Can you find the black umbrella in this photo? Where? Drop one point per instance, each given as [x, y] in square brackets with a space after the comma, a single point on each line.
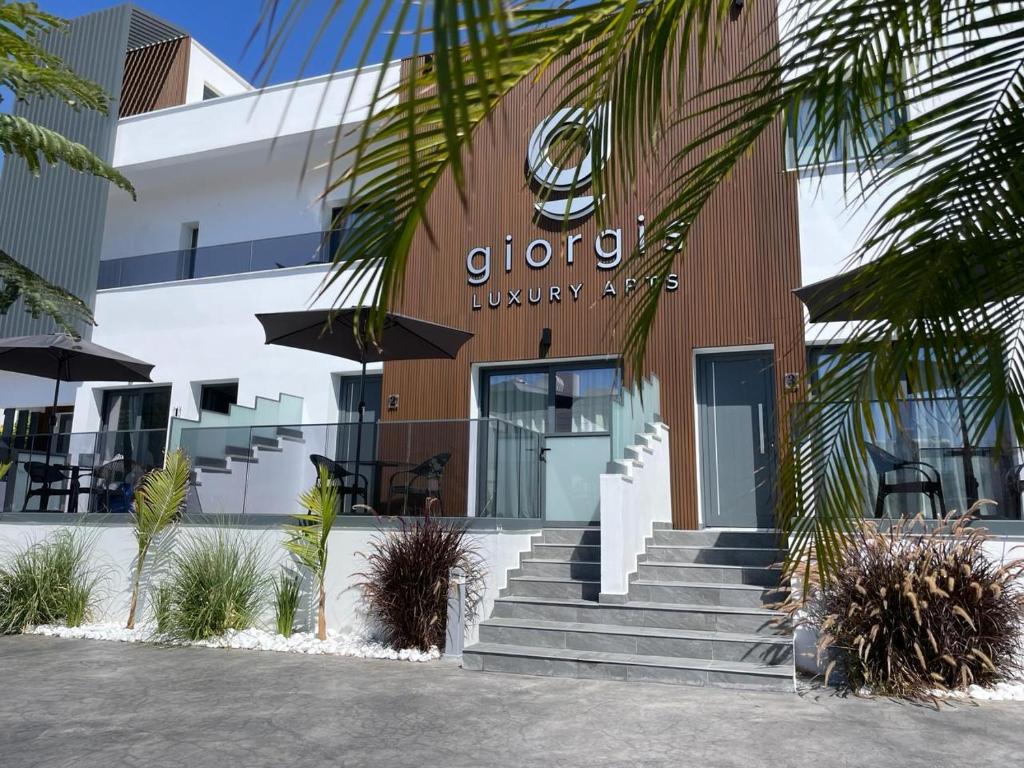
[341, 333]
[62, 357]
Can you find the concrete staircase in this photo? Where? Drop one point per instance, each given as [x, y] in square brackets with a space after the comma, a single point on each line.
[695, 613]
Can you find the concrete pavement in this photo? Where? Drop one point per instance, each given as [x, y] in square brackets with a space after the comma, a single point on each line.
[89, 703]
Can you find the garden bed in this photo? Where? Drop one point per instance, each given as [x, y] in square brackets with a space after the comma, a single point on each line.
[352, 645]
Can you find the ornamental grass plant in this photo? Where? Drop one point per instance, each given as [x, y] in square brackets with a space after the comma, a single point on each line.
[48, 582]
[914, 610]
[287, 593]
[406, 580]
[216, 581]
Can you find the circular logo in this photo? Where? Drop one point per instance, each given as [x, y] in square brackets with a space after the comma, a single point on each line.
[563, 152]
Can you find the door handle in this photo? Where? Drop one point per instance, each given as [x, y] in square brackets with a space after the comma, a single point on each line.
[544, 454]
[760, 424]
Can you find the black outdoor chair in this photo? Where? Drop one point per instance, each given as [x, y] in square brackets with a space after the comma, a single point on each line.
[351, 484]
[110, 491]
[48, 478]
[427, 473]
[928, 481]
[1015, 486]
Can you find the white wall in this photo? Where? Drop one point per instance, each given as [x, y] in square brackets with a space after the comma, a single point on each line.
[632, 500]
[206, 330]
[114, 550]
[234, 197]
[206, 69]
[278, 111]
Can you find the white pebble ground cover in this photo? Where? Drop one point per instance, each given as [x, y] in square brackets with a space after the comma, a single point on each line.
[336, 644]
[1008, 691]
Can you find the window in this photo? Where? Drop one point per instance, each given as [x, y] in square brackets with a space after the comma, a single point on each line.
[844, 146]
[136, 408]
[209, 93]
[218, 397]
[559, 398]
[341, 222]
[189, 246]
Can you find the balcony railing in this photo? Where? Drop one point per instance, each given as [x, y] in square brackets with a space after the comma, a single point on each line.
[484, 468]
[215, 260]
[98, 470]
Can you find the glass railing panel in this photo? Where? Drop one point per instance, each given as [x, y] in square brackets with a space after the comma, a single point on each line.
[96, 471]
[305, 249]
[292, 251]
[574, 463]
[510, 470]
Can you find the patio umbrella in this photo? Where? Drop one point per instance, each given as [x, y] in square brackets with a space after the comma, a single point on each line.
[340, 333]
[62, 357]
[845, 298]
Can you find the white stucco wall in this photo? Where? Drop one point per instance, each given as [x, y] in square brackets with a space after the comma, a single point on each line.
[632, 500]
[206, 69]
[114, 548]
[223, 124]
[206, 330]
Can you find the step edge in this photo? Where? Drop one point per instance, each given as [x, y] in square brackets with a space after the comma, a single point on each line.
[625, 629]
[603, 657]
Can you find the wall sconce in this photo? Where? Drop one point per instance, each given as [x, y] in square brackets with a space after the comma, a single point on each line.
[545, 342]
[735, 9]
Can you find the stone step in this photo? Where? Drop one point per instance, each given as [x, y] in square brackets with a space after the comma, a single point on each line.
[621, 666]
[209, 464]
[589, 552]
[560, 569]
[684, 553]
[639, 641]
[712, 574]
[589, 535]
[698, 593]
[711, 618]
[533, 586]
[715, 537]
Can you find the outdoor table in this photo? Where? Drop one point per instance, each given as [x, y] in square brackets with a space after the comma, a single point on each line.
[377, 465]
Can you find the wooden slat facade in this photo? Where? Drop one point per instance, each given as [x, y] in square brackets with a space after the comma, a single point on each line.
[155, 77]
[735, 278]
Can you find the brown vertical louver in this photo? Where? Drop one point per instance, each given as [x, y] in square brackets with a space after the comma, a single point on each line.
[155, 76]
[735, 277]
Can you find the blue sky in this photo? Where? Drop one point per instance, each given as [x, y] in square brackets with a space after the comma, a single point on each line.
[224, 26]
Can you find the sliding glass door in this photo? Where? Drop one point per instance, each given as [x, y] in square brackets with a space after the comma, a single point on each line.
[570, 404]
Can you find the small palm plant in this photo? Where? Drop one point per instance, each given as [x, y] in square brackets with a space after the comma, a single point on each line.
[307, 538]
[3, 469]
[159, 500]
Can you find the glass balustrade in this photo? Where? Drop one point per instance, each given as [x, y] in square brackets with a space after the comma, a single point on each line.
[89, 471]
[483, 468]
[271, 253]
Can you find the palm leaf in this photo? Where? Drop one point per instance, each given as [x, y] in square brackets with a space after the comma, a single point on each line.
[307, 538]
[946, 243]
[35, 144]
[41, 297]
[161, 496]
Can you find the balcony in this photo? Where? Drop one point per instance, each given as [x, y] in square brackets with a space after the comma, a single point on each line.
[307, 249]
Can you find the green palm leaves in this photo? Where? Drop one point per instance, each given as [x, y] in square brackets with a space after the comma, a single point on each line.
[307, 538]
[920, 103]
[159, 501]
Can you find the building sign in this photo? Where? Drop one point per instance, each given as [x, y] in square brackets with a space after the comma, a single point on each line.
[553, 182]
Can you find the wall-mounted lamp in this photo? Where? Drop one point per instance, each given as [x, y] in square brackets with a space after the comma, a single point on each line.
[735, 9]
[545, 342]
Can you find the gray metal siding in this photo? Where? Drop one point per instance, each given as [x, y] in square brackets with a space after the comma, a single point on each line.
[54, 223]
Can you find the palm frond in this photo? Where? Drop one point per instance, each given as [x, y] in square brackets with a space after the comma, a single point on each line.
[945, 245]
[35, 144]
[40, 296]
[160, 497]
[307, 538]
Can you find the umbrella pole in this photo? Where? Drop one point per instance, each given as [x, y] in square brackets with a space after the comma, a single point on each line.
[362, 409]
[44, 498]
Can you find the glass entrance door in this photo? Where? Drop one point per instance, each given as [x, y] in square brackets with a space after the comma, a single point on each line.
[571, 406]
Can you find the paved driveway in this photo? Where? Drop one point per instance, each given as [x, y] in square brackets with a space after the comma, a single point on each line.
[86, 703]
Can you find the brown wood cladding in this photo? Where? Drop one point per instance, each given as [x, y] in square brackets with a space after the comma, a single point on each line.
[155, 77]
[735, 277]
